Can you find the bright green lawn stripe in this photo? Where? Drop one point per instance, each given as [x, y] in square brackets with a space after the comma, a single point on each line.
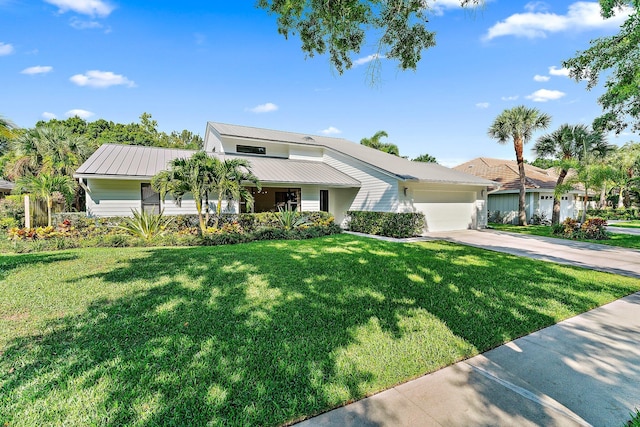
[626, 224]
[619, 240]
[262, 333]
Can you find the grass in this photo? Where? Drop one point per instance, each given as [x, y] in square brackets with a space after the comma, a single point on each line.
[619, 240]
[262, 333]
[626, 224]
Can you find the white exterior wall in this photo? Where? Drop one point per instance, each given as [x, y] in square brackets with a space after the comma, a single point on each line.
[305, 153]
[111, 197]
[378, 191]
[274, 149]
[310, 198]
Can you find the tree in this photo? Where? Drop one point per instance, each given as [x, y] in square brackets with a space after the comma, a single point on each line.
[626, 162]
[617, 57]
[567, 145]
[193, 175]
[518, 124]
[425, 158]
[7, 127]
[44, 186]
[229, 176]
[340, 27]
[374, 142]
[544, 163]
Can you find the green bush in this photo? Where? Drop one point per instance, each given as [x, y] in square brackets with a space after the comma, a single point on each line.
[386, 223]
[13, 207]
[146, 225]
[616, 214]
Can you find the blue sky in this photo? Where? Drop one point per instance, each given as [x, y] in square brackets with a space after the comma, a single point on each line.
[190, 62]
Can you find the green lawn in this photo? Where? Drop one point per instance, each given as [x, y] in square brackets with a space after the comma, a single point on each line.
[620, 240]
[626, 224]
[262, 333]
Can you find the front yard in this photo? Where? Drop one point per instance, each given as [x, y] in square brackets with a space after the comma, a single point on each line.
[262, 333]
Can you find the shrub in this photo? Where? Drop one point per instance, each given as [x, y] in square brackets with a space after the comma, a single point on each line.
[13, 207]
[386, 223]
[539, 218]
[289, 219]
[592, 228]
[624, 213]
[145, 225]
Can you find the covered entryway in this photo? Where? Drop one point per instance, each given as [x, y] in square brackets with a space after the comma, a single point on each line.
[446, 210]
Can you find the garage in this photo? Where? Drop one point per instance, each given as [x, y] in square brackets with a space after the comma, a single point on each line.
[446, 210]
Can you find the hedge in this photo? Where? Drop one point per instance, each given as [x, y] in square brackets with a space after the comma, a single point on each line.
[624, 213]
[386, 223]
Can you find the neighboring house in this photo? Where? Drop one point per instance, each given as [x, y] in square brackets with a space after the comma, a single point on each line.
[298, 171]
[5, 188]
[502, 203]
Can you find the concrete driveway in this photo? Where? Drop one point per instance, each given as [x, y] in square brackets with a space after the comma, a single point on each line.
[584, 371]
[587, 255]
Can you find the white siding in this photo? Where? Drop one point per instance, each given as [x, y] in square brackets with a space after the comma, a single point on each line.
[340, 201]
[274, 149]
[305, 153]
[378, 191]
[310, 195]
[113, 197]
[110, 197]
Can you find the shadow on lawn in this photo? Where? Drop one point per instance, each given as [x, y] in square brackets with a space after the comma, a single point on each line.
[250, 334]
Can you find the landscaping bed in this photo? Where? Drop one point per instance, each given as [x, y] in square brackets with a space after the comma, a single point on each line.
[263, 333]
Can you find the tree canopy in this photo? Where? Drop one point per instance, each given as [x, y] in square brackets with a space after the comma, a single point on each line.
[425, 158]
[341, 27]
[374, 142]
[618, 58]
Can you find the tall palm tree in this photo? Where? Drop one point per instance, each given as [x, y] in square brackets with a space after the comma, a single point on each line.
[518, 124]
[229, 178]
[44, 186]
[627, 162]
[193, 175]
[568, 144]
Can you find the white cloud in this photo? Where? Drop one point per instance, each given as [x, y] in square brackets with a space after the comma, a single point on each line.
[554, 71]
[536, 6]
[38, 69]
[48, 116]
[544, 95]
[79, 24]
[509, 98]
[482, 105]
[580, 16]
[6, 49]
[540, 78]
[331, 131]
[83, 114]
[263, 108]
[101, 79]
[83, 7]
[439, 6]
[367, 59]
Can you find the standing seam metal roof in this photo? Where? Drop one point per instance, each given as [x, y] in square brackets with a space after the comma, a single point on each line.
[401, 168]
[112, 160]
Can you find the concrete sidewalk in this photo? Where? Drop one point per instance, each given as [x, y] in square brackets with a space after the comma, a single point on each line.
[579, 372]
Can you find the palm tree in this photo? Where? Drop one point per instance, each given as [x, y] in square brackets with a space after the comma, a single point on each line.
[7, 127]
[229, 178]
[627, 162]
[518, 124]
[193, 175]
[568, 144]
[374, 142]
[44, 187]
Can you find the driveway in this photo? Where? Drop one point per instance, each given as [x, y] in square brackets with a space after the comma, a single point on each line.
[587, 255]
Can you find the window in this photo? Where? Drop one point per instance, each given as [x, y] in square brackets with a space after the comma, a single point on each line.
[250, 149]
[324, 200]
[150, 199]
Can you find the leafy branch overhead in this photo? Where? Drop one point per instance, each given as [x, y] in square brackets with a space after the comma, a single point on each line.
[341, 27]
[617, 57]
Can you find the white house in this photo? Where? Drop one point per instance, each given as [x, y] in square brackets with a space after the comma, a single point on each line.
[540, 186]
[305, 172]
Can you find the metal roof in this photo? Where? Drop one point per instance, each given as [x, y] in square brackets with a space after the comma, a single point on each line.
[6, 185]
[132, 161]
[399, 167]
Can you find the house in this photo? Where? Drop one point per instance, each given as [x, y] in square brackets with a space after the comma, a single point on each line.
[6, 187]
[298, 171]
[502, 203]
